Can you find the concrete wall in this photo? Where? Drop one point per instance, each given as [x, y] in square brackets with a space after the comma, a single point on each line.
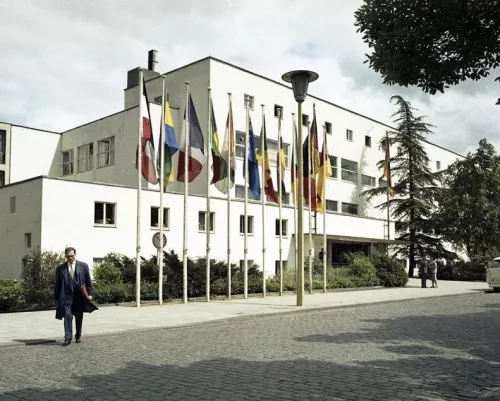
[25, 219]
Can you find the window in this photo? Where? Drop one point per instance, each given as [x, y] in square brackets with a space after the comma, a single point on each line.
[104, 213]
[278, 111]
[368, 181]
[305, 119]
[250, 263]
[2, 178]
[242, 224]
[284, 265]
[285, 198]
[251, 101]
[328, 127]
[349, 135]
[398, 225]
[106, 152]
[240, 145]
[157, 100]
[349, 170]
[331, 205]
[13, 204]
[27, 240]
[86, 157]
[368, 141]
[382, 183]
[438, 165]
[239, 193]
[155, 217]
[202, 221]
[273, 150]
[350, 208]
[400, 151]
[333, 162]
[3, 146]
[96, 261]
[284, 228]
[67, 162]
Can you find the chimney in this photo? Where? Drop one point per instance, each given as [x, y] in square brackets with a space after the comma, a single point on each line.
[152, 60]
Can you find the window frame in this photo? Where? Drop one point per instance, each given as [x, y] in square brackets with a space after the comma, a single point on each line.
[212, 221]
[89, 159]
[250, 224]
[70, 164]
[109, 154]
[166, 218]
[104, 222]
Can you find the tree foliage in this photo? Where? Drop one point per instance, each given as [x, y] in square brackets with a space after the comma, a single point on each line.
[469, 202]
[431, 44]
[414, 186]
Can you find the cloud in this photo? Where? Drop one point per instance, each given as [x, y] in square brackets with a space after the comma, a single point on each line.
[66, 61]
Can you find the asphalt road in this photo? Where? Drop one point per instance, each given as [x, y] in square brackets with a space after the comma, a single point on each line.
[429, 349]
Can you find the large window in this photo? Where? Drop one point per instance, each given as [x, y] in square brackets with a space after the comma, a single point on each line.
[155, 217]
[105, 213]
[67, 162]
[272, 148]
[3, 146]
[106, 152]
[86, 157]
[349, 170]
[350, 208]
[331, 205]
[368, 181]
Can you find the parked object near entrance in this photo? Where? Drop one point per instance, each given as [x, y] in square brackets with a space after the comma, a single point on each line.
[493, 274]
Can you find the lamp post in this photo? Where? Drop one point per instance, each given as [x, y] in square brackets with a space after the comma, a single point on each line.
[300, 81]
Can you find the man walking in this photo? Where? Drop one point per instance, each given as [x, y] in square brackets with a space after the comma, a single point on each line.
[423, 271]
[73, 292]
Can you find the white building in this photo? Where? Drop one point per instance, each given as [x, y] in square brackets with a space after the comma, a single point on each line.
[78, 187]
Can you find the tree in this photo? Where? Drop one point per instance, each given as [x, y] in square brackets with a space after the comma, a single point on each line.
[431, 45]
[469, 207]
[414, 187]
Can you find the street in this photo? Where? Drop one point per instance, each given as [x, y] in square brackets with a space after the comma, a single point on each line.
[424, 349]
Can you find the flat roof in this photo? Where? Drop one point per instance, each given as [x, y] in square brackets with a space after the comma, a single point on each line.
[25, 126]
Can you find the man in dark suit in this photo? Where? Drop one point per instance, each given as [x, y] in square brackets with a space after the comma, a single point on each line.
[72, 278]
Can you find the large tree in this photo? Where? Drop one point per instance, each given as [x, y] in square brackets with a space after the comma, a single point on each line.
[431, 44]
[414, 186]
[469, 202]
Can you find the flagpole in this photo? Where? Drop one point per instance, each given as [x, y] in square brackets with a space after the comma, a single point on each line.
[208, 214]
[161, 149]
[186, 173]
[325, 246]
[229, 272]
[245, 225]
[387, 178]
[310, 200]
[295, 198]
[280, 179]
[139, 188]
[263, 201]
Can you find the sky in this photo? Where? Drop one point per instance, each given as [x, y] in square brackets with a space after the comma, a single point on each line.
[64, 62]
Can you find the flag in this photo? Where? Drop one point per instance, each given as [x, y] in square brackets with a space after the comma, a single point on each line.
[280, 168]
[228, 161]
[310, 171]
[294, 173]
[217, 160]
[170, 147]
[253, 164]
[387, 168]
[324, 165]
[263, 159]
[196, 149]
[148, 159]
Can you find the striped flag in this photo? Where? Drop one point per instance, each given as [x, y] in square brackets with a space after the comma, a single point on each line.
[325, 170]
[228, 161]
[280, 168]
[253, 164]
[170, 147]
[217, 160]
[263, 159]
[294, 173]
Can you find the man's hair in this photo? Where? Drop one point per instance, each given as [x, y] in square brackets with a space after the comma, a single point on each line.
[69, 249]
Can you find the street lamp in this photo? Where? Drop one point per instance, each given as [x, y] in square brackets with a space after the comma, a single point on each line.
[300, 81]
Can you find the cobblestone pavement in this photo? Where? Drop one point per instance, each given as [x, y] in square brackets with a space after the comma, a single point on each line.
[429, 349]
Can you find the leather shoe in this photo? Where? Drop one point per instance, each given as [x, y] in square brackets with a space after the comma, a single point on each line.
[66, 343]
[78, 339]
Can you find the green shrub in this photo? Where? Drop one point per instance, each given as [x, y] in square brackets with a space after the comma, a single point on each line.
[462, 271]
[107, 273]
[390, 272]
[105, 293]
[361, 270]
[11, 296]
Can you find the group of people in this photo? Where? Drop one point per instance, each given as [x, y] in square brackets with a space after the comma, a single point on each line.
[428, 271]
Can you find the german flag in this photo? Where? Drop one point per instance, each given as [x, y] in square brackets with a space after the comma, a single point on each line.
[263, 159]
[325, 170]
[387, 166]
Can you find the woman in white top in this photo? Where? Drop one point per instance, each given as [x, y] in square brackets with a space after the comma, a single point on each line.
[433, 273]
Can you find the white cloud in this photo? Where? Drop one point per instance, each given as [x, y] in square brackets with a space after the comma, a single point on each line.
[64, 62]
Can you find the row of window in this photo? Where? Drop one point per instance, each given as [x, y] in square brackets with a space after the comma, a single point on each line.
[3, 146]
[85, 156]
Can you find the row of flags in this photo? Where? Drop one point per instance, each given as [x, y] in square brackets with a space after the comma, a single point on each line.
[316, 164]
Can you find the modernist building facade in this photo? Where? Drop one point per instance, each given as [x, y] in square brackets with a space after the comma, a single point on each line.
[78, 187]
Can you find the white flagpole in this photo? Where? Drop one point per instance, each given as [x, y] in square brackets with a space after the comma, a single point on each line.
[296, 194]
[229, 155]
[186, 172]
[207, 215]
[139, 188]
[280, 179]
[161, 149]
[325, 245]
[309, 209]
[263, 198]
[245, 225]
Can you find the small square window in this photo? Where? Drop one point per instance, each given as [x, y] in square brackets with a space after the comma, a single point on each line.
[251, 101]
[278, 111]
[12, 204]
[305, 119]
[368, 141]
[400, 151]
[349, 135]
[350, 208]
[284, 228]
[328, 127]
[27, 240]
[250, 264]
[249, 225]
[155, 217]
[202, 221]
[331, 205]
[284, 265]
[438, 165]
[67, 162]
[105, 214]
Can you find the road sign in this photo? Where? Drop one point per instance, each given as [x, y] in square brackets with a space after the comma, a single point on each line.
[156, 240]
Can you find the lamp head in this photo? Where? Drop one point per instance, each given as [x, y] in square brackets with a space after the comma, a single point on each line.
[300, 80]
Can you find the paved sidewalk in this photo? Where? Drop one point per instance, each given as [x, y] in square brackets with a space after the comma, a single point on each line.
[18, 328]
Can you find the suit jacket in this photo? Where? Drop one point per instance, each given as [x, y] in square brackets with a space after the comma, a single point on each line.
[67, 291]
